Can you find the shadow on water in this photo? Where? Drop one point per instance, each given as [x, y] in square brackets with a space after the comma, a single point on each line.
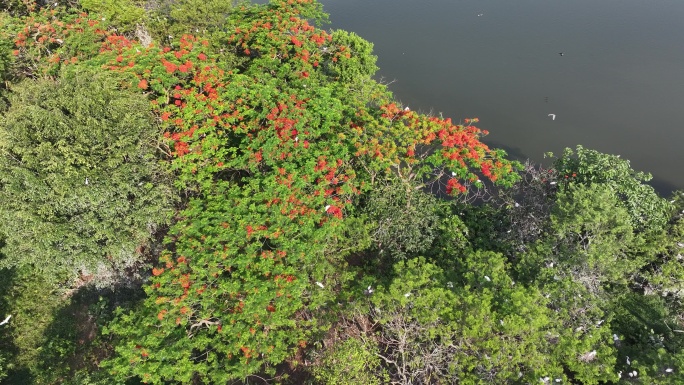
[513, 153]
[663, 187]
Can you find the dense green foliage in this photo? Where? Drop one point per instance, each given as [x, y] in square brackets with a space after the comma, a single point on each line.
[208, 192]
[81, 189]
[648, 212]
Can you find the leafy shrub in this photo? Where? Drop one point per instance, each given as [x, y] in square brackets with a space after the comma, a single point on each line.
[594, 235]
[7, 25]
[123, 14]
[406, 219]
[472, 325]
[169, 20]
[80, 185]
[350, 362]
[648, 211]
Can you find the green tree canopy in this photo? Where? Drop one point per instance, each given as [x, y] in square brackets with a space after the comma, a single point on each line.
[80, 186]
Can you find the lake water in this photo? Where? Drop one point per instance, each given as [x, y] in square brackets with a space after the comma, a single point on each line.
[618, 88]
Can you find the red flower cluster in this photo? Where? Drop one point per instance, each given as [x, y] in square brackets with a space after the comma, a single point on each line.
[334, 211]
[453, 184]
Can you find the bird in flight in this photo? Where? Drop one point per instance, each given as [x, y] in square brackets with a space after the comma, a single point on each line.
[561, 53]
[553, 116]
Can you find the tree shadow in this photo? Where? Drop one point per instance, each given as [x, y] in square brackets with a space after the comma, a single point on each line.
[664, 188]
[72, 342]
[7, 347]
[79, 326]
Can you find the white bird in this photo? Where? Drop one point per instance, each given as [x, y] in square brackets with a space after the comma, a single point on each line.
[326, 208]
[669, 370]
[320, 285]
[368, 291]
[450, 285]
[86, 181]
[488, 279]
[407, 109]
[6, 320]
[407, 294]
[553, 116]
[628, 361]
[480, 14]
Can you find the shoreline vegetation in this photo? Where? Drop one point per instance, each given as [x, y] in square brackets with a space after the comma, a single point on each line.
[212, 192]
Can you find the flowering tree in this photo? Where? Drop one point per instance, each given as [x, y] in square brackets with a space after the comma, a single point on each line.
[276, 155]
[272, 155]
[291, 164]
